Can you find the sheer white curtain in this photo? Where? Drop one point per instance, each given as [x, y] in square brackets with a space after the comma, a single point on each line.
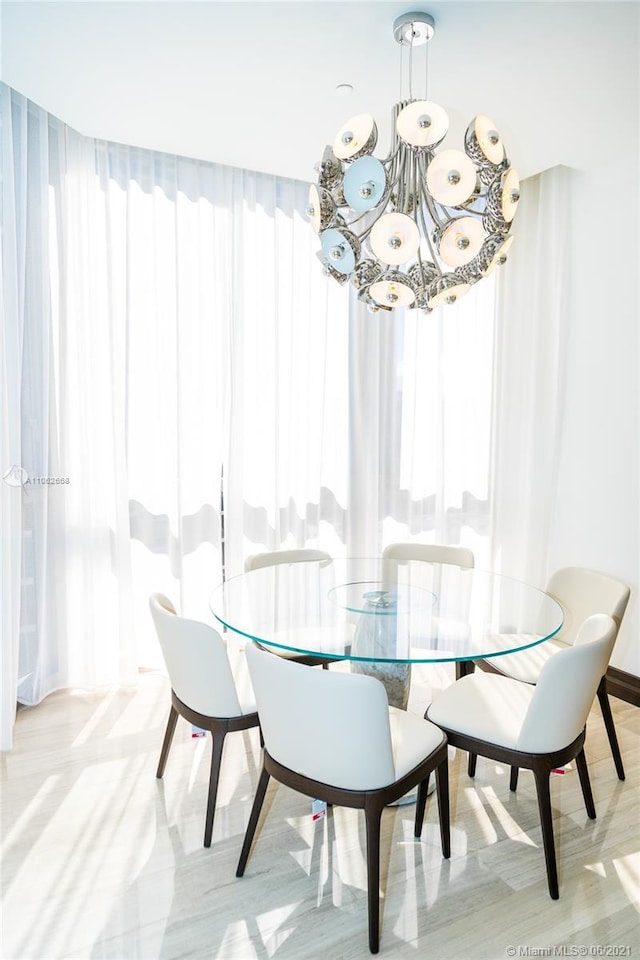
[169, 235]
[67, 620]
[12, 310]
[529, 363]
[285, 478]
[420, 425]
[235, 371]
[178, 344]
[171, 347]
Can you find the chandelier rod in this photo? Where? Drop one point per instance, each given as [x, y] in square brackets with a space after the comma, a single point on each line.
[427, 201]
[411, 69]
[425, 231]
[426, 72]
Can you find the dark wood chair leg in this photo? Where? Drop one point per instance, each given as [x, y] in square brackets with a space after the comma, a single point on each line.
[258, 800]
[546, 820]
[585, 783]
[372, 819]
[471, 764]
[513, 779]
[605, 706]
[421, 803]
[166, 743]
[442, 786]
[464, 667]
[214, 776]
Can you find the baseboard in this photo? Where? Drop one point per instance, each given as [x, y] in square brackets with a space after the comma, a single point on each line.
[624, 686]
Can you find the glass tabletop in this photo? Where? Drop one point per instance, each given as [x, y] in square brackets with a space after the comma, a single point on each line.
[368, 609]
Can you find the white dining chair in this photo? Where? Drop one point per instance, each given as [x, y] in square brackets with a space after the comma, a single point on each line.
[332, 736]
[206, 688]
[430, 553]
[581, 593]
[536, 727]
[271, 558]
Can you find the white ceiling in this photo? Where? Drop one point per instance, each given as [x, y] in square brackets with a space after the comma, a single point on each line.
[252, 84]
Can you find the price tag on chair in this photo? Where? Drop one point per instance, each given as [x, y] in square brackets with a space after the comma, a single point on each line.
[197, 731]
[318, 809]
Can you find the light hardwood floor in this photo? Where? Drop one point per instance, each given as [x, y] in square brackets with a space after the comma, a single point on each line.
[101, 860]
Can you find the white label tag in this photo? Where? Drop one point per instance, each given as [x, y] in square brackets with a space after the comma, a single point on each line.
[318, 809]
[197, 731]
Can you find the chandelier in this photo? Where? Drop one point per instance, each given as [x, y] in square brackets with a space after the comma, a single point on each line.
[420, 227]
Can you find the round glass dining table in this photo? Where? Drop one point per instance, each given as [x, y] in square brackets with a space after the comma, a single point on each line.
[385, 615]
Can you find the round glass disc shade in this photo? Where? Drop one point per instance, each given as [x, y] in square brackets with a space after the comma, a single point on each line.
[334, 242]
[422, 123]
[453, 249]
[448, 296]
[483, 126]
[359, 129]
[366, 174]
[391, 293]
[395, 238]
[509, 206]
[448, 165]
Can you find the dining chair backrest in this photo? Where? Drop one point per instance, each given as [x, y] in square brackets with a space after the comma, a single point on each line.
[270, 558]
[196, 660]
[327, 726]
[581, 593]
[429, 552]
[564, 693]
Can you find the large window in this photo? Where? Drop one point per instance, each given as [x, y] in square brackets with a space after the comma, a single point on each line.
[187, 351]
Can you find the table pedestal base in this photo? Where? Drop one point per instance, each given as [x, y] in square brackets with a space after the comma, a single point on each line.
[395, 678]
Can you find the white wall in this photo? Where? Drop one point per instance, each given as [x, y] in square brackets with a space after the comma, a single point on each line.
[597, 513]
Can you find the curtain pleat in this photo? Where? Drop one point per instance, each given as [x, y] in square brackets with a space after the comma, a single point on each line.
[526, 427]
[12, 267]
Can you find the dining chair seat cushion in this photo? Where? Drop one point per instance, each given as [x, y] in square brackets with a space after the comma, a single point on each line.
[532, 719]
[281, 652]
[486, 706]
[535, 727]
[311, 638]
[525, 665]
[412, 739]
[438, 638]
[582, 593]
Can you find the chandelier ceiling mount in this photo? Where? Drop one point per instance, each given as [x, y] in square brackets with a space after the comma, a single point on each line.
[414, 29]
[420, 227]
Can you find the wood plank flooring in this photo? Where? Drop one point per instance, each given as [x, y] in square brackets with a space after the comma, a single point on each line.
[101, 860]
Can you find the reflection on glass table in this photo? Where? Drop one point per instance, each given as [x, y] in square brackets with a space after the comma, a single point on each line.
[385, 615]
